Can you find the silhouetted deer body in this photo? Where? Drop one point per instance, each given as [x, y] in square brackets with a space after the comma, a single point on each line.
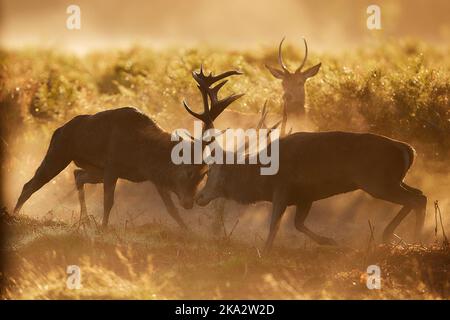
[315, 166]
[116, 144]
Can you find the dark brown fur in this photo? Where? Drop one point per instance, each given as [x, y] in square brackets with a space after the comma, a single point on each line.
[116, 144]
[314, 166]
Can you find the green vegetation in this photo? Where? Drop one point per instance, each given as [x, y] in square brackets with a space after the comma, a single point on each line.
[399, 89]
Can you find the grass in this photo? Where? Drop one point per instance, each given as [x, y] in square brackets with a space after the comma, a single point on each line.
[155, 262]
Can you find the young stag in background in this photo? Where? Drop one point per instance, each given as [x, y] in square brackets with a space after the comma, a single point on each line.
[294, 85]
[315, 166]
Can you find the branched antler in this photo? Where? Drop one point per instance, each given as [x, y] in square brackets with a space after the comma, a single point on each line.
[212, 105]
[282, 122]
[262, 120]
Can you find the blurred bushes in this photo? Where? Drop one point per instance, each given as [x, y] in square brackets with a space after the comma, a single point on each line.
[399, 89]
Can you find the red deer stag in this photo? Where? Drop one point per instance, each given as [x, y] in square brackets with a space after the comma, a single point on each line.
[121, 143]
[294, 84]
[315, 166]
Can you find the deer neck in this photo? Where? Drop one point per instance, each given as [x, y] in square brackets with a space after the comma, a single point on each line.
[245, 184]
[296, 109]
[158, 166]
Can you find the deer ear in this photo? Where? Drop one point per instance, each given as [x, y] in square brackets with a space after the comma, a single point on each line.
[277, 73]
[311, 72]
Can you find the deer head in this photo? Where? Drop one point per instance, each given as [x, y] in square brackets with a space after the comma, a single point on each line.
[294, 82]
[187, 178]
[219, 177]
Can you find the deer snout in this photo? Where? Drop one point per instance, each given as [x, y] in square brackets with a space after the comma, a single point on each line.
[202, 200]
[187, 203]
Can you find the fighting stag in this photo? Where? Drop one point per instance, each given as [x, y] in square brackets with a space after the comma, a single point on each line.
[117, 144]
[294, 83]
[315, 166]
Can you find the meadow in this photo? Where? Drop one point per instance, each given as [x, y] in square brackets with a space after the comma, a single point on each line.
[395, 88]
[153, 261]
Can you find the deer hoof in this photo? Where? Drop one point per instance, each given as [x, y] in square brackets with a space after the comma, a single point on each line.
[266, 250]
[327, 242]
[387, 237]
[103, 227]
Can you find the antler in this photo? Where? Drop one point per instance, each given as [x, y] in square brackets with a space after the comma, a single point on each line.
[262, 125]
[207, 80]
[304, 59]
[217, 106]
[284, 122]
[262, 121]
[280, 57]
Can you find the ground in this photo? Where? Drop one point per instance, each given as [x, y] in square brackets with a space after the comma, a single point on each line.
[154, 261]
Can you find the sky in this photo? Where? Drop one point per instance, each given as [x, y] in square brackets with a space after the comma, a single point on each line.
[327, 24]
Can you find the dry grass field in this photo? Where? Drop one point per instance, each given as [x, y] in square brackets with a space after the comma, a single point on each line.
[153, 261]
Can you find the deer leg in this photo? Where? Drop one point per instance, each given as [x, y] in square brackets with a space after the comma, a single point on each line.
[81, 178]
[300, 217]
[410, 198]
[390, 228]
[420, 210]
[279, 206]
[173, 211]
[50, 167]
[409, 188]
[109, 186]
[219, 215]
